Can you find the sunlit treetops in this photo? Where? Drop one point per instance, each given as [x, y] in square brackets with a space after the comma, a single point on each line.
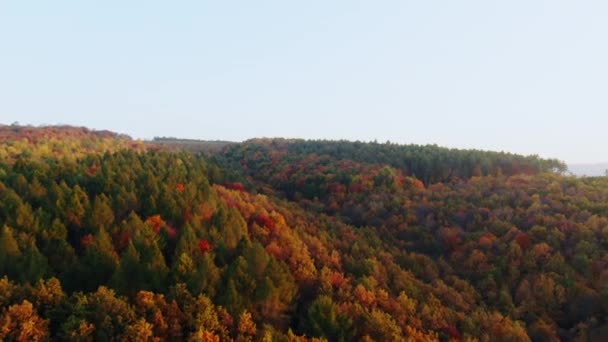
[59, 142]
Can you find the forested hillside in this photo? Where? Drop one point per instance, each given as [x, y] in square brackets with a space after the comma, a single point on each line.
[103, 238]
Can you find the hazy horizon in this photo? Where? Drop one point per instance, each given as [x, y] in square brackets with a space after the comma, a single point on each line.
[527, 77]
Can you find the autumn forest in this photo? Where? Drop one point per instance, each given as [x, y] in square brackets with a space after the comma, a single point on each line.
[107, 238]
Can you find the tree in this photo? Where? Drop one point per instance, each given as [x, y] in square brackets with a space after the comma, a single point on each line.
[139, 331]
[246, 327]
[187, 242]
[32, 265]
[110, 315]
[99, 262]
[129, 277]
[62, 258]
[324, 320]
[48, 295]
[275, 292]
[7, 290]
[152, 261]
[381, 326]
[233, 227]
[9, 253]
[76, 330]
[194, 265]
[102, 215]
[75, 204]
[25, 219]
[21, 323]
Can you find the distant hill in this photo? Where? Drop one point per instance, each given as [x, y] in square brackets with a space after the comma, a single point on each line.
[429, 163]
[192, 145]
[590, 170]
[59, 142]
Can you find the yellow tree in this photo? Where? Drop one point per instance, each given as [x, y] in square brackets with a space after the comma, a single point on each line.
[22, 323]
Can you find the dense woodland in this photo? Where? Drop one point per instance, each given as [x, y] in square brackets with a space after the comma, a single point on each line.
[103, 238]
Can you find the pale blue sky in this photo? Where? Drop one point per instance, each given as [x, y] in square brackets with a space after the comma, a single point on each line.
[523, 76]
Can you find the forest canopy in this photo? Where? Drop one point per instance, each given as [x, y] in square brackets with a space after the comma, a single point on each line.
[106, 238]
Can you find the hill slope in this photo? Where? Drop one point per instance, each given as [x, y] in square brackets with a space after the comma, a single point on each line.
[275, 239]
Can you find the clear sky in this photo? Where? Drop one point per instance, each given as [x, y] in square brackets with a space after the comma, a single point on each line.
[524, 76]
